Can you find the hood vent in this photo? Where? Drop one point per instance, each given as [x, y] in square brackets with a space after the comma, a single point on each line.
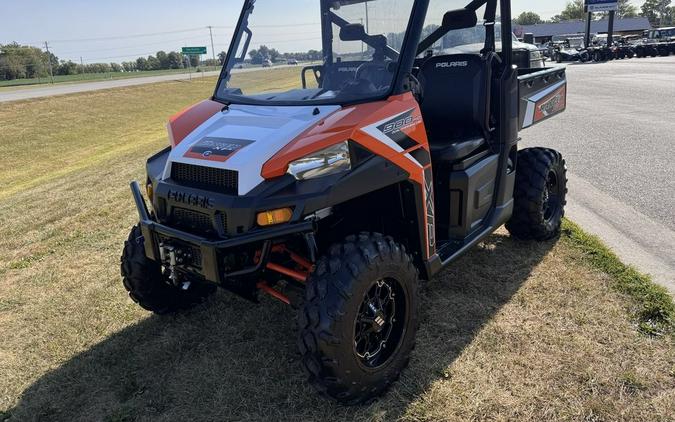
[206, 178]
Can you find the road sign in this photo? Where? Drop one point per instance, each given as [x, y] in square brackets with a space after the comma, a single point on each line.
[194, 50]
[601, 5]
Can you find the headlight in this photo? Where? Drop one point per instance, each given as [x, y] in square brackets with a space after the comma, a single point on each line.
[535, 55]
[328, 161]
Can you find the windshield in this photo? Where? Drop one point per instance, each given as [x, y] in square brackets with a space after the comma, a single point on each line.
[315, 52]
[576, 42]
[468, 40]
[469, 36]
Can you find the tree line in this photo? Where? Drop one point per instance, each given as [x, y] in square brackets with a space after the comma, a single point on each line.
[659, 13]
[27, 62]
[265, 53]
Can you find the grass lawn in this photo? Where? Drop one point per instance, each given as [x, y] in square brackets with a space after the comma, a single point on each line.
[514, 331]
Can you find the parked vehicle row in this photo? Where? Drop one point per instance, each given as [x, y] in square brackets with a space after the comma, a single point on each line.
[571, 48]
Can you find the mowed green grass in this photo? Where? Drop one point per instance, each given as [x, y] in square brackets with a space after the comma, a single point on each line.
[514, 331]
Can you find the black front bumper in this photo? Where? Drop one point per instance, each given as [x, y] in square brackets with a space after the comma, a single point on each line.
[209, 250]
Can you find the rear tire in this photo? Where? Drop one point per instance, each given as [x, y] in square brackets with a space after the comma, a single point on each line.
[354, 345]
[540, 195]
[148, 287]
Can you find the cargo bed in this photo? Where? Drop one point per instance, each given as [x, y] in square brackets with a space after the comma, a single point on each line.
[542, 94]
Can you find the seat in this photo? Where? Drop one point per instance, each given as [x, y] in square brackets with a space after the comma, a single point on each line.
[456, 104]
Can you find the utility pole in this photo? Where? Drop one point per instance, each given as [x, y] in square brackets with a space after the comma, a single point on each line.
[49, 60]
[189, 60]
[213, 50]
[362, 46]
[367, 23]
[587, 37]
[610, 28]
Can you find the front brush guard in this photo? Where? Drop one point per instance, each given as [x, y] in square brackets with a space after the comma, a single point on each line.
[210, 268]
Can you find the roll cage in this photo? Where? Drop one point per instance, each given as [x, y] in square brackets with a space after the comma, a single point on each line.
[412, 47]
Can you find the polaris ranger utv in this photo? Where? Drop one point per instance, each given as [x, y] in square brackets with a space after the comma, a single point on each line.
[383, 165]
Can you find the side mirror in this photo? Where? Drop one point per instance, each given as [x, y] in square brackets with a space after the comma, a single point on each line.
[353, 32]
[460, 19]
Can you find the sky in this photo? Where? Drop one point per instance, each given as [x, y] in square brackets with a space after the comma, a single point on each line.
[115, 31]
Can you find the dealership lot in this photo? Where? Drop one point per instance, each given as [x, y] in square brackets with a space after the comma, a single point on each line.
[618, 136]
[516, 330]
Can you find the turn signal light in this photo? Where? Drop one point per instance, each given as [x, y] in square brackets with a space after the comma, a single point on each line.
[272, 217]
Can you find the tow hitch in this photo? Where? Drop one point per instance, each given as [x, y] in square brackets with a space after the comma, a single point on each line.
[173, 257]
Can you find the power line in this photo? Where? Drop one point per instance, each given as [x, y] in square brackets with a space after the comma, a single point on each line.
[120, 37]
[287, 25]
[164, 42]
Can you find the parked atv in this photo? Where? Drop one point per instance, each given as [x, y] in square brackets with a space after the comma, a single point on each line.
[340, 195]
[571, 50]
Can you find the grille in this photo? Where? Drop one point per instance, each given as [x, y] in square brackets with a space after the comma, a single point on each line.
[192, 221]
[223, 221]
[217, 180]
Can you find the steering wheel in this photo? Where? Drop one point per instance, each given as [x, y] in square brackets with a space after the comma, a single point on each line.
[377, 73]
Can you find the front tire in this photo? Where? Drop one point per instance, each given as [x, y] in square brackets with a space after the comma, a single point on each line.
[148, 287]
[540, 195]
[359, 319]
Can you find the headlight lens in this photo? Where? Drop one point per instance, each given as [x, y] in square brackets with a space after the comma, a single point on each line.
[331, 160]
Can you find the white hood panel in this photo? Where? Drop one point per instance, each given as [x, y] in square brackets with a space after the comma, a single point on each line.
[264, 131]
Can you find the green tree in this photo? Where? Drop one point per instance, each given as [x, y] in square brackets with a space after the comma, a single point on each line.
[153, 63]
[66, 68]
[20, 61]
[658, 12]
[627, 9]
[528, 18]
[141, 63]
[574, 10]
[129, 66]
[222, 56]
[175, 60]
[256, 56]
[163, 59]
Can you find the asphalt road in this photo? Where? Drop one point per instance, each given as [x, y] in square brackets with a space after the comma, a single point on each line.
[618, 136]
[70, 88]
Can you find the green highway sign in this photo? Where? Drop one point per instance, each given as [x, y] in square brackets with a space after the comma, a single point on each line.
[194, 50]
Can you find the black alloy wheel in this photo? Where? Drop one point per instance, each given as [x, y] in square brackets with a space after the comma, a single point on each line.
[380, 323]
